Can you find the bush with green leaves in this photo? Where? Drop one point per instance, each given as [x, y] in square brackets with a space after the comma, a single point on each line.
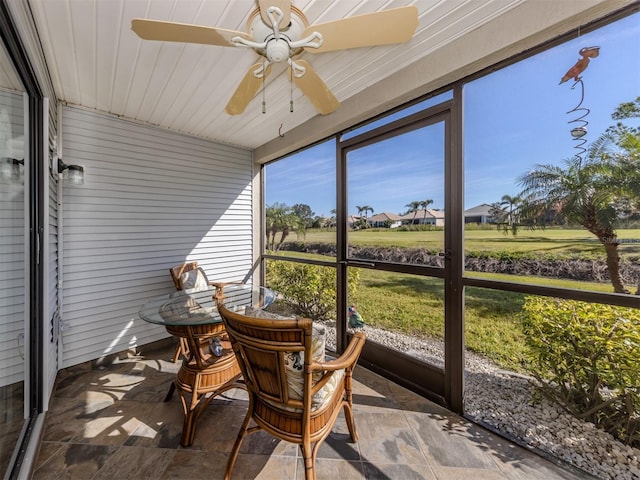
[586, 357]
[310, 290]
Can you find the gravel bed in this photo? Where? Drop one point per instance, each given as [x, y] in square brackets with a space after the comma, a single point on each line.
[503, 401]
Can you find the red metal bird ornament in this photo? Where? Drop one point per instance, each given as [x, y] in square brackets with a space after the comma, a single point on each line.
[574, 72]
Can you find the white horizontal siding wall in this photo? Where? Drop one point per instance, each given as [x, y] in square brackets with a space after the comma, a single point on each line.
[51, 292]
[50, 255]
[151, 199]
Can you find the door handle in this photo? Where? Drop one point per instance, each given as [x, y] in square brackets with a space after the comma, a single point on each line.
[361, 264]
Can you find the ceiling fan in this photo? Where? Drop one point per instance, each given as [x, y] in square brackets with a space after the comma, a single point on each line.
[279, 32]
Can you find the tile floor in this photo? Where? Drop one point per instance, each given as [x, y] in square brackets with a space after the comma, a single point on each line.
[109, 421]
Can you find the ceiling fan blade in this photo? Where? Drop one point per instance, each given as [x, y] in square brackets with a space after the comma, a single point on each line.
[378, 28]
[315, 89]
[284, 5]
[184, 32]
[246, 90]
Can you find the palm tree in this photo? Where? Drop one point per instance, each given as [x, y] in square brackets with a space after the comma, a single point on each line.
[497, 213]
[281, 218]
[628, 139]
[291, 222]
[413, 208]
[582, 191]
[513, 205]
[424, 204]
[365, 209]
[274, 218]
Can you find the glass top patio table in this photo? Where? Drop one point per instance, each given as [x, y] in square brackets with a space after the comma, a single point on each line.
[198, 307]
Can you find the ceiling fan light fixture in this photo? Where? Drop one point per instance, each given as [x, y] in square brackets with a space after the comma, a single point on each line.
[278, 50]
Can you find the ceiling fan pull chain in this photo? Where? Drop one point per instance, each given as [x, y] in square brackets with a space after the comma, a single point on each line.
[264, 103]
[291, 90]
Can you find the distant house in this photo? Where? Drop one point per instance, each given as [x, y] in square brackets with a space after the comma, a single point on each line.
[424, 217]
[351, 219]
[382, 220]
[479, 214]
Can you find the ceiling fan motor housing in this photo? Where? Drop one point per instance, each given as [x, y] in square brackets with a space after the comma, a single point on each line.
[277, 49]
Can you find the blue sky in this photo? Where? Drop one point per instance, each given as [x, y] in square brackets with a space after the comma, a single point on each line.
[514, 119]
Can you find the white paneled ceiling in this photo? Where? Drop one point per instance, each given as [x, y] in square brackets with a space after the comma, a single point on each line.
[96, 61]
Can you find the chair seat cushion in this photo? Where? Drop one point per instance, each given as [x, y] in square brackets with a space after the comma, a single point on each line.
[194, 279]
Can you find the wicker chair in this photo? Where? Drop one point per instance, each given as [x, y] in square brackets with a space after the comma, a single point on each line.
[264, 348]
[177, 273]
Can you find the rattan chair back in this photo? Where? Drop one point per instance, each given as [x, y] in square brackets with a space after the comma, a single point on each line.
[261, 346]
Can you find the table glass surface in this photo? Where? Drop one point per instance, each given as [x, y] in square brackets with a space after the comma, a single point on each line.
[198, 307]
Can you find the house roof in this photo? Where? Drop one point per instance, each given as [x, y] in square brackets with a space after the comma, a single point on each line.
[430, 213]
[482, 209]
[95, 61]
[384, 216]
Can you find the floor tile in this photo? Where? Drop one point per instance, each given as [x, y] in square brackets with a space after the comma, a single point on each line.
[75, 461]
[327, 469]
[68, 418]
[135, 463]
[387, 438]
[392, 471]
[451, 441]
[110, 421]
[194, 464]
[115, 424]
[263, 467]
[457, 473]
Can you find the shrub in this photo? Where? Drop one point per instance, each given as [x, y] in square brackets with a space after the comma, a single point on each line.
[586, 357]
[309, 289]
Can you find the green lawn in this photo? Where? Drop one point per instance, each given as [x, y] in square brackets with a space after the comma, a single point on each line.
[415, 305]
[574, 242]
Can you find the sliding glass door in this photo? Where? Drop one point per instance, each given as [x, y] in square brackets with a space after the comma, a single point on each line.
[13, 287]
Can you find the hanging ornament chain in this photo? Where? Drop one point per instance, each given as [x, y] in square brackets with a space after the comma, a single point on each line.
[578, 133]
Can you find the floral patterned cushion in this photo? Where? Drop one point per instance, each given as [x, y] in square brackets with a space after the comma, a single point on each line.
[294, 363]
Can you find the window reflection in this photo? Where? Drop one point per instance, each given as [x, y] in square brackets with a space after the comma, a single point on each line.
[12, 262]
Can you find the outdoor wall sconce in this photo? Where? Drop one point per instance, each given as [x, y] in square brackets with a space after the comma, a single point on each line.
[10, 169]
[73, 173]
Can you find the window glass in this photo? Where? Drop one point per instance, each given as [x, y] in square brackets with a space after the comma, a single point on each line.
[430, 102]
[531, 360]
[550, 187]
[305, 290]
[402, 312]
[300, 201]
[396, 198]
[13, 353]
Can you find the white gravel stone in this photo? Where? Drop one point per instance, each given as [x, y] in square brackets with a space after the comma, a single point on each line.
[504, 401]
